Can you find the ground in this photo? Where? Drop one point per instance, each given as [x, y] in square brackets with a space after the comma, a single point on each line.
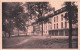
[37, 42]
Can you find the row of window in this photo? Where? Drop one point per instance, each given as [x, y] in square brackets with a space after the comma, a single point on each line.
[45, 31]
[63, 32]
[45, 27]
[57, 18]
[55, 25]
[61, 25]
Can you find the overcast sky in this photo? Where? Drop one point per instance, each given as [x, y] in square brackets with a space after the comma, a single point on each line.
[56, 4]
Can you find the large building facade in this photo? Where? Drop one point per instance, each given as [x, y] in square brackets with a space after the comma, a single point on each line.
[58, 25]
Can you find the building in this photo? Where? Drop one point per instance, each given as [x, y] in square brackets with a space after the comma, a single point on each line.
[57, 25]
[37, 29]
[30, 30]
[60, 25]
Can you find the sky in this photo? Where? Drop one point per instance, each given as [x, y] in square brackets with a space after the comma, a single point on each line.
[56, 4]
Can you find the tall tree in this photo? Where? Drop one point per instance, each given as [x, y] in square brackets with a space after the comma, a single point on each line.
[72, 16]
[21, 22]
[37, 11]
[13, 16]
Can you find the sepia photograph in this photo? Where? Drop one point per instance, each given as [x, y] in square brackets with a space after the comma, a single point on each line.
[40, 25]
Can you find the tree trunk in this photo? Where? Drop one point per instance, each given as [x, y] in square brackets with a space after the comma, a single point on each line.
[27, 31]
[5, 33]
[42, 28]
[18, 32]
[24, 31]
[70, 29]
[70, 34]
[9, 34]
[10, 29]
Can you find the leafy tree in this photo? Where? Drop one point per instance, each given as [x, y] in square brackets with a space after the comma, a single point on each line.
[72, 16]
[74, 9]
[37, 11]
[13, 16]
[21, 22]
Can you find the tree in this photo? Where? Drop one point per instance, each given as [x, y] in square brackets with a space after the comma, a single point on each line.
[37, 11]
[72, 16]
[21, 22]
[13, 16]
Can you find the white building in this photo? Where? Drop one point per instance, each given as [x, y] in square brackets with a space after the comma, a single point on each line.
[58, 25]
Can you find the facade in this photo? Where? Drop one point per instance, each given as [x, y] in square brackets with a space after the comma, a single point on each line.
[57, 25]
[30, 30]
[45, 28]
[37, 29]
[60, 25]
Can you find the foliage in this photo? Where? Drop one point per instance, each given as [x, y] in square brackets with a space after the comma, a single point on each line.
[74, 11]
[72, 16]
[38, 10]
[13, 16]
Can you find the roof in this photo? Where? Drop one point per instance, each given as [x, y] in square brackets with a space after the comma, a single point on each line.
[63, 9]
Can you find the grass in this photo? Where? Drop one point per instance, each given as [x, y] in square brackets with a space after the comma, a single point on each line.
[46, 43]
[38, 43]
[6, 42]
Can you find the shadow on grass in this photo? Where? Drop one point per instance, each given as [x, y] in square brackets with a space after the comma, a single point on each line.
[51, 43]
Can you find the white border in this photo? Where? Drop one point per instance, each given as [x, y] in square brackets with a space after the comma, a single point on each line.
[37, 1]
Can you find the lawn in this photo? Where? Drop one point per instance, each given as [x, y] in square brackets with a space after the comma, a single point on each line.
[31, 42]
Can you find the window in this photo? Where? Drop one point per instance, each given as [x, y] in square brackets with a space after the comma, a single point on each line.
[57, 18]
[61, 24]
[57, 25]
[53, 33]
[54, 19]
[65, 24]
[46, 31]
[56, 33]
[66, 33]
[61, 33]
[54, 26]
[66, 15]
[46, 27]
[50, 27]
[61, 17]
